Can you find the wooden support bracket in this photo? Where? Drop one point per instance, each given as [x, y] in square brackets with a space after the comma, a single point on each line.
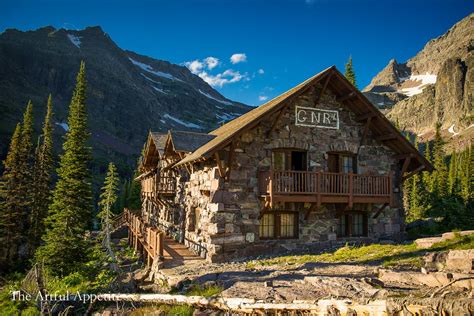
[365, 116]
[380, 210]
[219, 165]
[323, 89]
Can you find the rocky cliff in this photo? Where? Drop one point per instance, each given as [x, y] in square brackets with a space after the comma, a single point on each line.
[436, 85]
[128, 94]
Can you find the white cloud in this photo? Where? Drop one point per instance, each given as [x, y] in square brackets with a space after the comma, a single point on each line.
[238, 58]
[211, 62]
[261, 71]
[194, 66]
[262, 98]
[203, 67]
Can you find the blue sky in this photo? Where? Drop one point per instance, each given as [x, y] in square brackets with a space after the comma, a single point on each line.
[276, 44]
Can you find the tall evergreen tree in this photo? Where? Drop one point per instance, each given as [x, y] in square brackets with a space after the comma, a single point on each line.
[349, 73]
[416, 209]
[440, 174]
[43, 171]
[26, 162]
[10, 203]
[453, 176]
[426, 177]
[108, 197]
[69, 215]
[465, 175]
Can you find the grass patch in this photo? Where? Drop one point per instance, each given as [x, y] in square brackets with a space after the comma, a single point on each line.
[204, 290]
[175, 310]
[402, 255]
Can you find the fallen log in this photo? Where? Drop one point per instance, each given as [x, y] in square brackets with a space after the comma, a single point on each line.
[248, 305]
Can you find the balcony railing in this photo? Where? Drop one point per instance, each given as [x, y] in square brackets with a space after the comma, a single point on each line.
[158, 184]
[325, 187]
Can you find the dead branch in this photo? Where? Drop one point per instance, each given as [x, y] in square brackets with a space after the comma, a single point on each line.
[449, 284]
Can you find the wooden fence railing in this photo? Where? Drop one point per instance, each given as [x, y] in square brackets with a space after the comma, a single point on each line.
[143, 238]
[158, 184]
[325, 183]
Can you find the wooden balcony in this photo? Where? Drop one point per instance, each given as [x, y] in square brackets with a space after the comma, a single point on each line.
[158, 185]
[325, 187]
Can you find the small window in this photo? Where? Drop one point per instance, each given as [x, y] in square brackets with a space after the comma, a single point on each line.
[347, 164]
[279, 225]
[267, 226]
[352, 225]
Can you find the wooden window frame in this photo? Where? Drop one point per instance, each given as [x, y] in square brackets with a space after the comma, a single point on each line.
[349, 224]
[340, 162]
[287, 151]
[277, 225]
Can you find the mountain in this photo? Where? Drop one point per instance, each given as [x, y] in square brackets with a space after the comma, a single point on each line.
[128, 94]
[436, 85]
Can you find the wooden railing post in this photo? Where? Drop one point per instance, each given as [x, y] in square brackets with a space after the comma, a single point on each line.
[351, 190]
[159, 242]
[390, 188]
[270, 187]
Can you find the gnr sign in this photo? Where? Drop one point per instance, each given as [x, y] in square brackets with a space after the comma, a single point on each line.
[313, 117]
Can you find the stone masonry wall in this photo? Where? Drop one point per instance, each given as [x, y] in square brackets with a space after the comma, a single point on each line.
[222, 217]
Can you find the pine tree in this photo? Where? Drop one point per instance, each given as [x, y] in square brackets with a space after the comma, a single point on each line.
[452, 178]
[349, 73]
[26, 163]
[415, 195]
[426, 176]
[440, 175]
[407, 186]
[10, 203]
[466, 178]
[43, 171]
[108, 197]
[69, 214]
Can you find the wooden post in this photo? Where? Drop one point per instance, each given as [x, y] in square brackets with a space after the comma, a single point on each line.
[351, 189]
[390, 189]
[270, 188]
[159, 242]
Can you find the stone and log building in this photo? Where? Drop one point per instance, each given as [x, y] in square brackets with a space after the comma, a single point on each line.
[317, 165]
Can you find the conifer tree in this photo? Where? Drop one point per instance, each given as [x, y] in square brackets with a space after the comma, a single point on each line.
[10, 202]
[466, 177]
[26, 162]
[440, 175]
[69, 214]
[407, 186]
[415, 195]
[43, 171]
[452, 178]
[108, 197]
[349, 73]
[426, 177]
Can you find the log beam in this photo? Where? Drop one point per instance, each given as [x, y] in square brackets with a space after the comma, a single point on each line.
[380, 210]
[366, 131]
[219, 165]
[365, 116]
[384, 137]
[346, 97]
[323, 89]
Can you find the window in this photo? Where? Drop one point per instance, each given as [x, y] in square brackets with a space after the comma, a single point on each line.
[287, 159]
[279, 225]
[267, 226]
[342, 162]
[352, 225]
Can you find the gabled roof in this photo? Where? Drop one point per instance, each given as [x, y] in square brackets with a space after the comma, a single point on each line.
[343, 89]
[159, 139]
[184, 141]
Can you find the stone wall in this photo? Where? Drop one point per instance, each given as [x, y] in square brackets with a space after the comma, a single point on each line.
[221, 219]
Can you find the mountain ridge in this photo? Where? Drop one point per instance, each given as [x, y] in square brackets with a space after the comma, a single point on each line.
[128, 93]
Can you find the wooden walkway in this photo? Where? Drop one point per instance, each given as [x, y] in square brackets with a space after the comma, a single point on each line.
[176, 254]
[152, 244]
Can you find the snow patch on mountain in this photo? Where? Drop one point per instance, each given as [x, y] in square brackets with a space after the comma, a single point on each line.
[159, 90]
[225, 117]
[184, 123]
[150, 69]
[212, 98]
[423, 80]
[75, 40]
